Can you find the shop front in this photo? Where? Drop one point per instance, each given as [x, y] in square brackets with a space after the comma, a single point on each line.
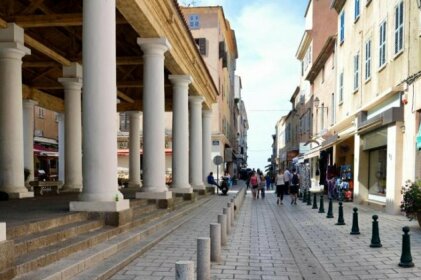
[379, 158]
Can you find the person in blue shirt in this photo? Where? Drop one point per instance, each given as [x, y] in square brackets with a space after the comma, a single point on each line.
[211, 180]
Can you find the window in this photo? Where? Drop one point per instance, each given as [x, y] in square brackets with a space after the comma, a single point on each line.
[41, 113]
[342, 27]
[356, 9]
[194, 22]
[201, 45]
[382, 44]
[341, 87]
[356, 71]
[367, 60]
[377, 171]
[323, 74]
[322, 117]
[399, 27]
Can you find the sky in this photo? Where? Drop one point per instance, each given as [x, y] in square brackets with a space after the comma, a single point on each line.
[268, 33]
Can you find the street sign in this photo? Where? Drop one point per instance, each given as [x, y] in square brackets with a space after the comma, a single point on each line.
[218, 160]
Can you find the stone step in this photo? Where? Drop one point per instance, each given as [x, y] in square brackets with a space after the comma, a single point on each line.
[145, 209]
[38, 240]
[134, 203]
[42, 225]
[81, 261]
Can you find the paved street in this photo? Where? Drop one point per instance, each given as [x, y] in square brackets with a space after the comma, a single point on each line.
[286, 242]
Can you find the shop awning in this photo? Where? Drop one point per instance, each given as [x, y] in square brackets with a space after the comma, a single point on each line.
[45, 151]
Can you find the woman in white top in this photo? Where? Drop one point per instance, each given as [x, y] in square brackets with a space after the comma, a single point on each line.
[280, 186]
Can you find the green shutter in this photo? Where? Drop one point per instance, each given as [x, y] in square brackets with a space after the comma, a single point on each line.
[419, 138]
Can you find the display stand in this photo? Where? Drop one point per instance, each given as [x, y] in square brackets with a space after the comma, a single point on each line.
[345, 184]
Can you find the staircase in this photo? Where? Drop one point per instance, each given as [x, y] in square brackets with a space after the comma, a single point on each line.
[81, 243]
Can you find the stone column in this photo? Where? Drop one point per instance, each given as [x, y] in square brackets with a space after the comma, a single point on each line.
[196, 161]
[72, 82]
[11, 117]
[100, 189]
[134, 147]
[154, 186]
[180, 156]
[28, 134]
[207, 142]
[61, 145]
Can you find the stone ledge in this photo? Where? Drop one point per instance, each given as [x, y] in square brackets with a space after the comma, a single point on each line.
[154, 195]
[211, 190]
[7, 260]
[2, 232]
[21, 194]
[200, 192]
[100, 206]
[182, 190]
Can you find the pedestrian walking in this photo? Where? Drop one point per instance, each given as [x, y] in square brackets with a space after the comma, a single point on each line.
[254, 182]
[280, 186]
[295, 182]
[287, 179]
[268, 181]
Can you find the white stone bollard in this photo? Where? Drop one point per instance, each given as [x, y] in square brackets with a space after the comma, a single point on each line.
[227, 211]
[230, 206]
[184, 270]
[215, 235]
[2, 232]
[222, 219]
[203, 258]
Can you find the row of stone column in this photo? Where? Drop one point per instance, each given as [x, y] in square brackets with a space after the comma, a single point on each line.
[94, 129]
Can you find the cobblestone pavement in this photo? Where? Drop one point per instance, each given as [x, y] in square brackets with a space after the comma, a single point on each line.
[271, 241]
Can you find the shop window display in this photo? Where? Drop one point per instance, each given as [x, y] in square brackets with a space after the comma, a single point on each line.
[377, 171]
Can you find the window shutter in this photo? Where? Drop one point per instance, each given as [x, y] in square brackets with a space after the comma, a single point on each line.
[221, 49]
[202, 46]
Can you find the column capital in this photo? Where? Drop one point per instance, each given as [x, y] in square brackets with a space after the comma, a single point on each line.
[71, 83]
[154, 45]
[207, 113]
[180, 79]
[74, 70]
[196, 99]
[12, 42]
[29, 103]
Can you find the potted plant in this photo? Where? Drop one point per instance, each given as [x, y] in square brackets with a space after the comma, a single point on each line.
[411, 200]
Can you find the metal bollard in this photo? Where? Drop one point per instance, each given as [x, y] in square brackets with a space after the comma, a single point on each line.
[315, 201]
[222, 219]
[355, 228]
[215, 235]
[227, 211]
[330, 210]
[375, 236]
[203, 258]
[184, 270]
[406, 257]
[322, 204]
[341, 221]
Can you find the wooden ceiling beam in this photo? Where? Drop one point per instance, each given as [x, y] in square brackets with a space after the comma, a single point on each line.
[125, 97]
[32, 7]
[54, 20]
[44, 100]
[31, 42]
[129, 60]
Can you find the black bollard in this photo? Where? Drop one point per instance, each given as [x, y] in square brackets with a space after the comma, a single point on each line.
[314, 201]
[305, 196]
[406, 258]
[322, 204]
[330, 210]
[355, 229]
[308, 198]
[375, 237]
[341, 221]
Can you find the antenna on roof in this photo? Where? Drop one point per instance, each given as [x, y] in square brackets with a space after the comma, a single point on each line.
[191, 3]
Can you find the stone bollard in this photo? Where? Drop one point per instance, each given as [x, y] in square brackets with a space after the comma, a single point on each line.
[406, 258]
[314, 201]
[341, 221]
[203, 258]
[215, 235]
[184, 270]
[322, 204]
[222, 219]
[305, 196]
[355, 228]
[231, 205]
[330, 210]
[375, 236]
[227, 211]
[308, 198]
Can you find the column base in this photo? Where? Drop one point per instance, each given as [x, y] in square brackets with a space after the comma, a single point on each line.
[130, 192]
[100, 206]
[154, 195]
[182, 190]
[211, 190]
[190, 196]
[200, 191]
[20, 195]
[134, 186]
[71, 189]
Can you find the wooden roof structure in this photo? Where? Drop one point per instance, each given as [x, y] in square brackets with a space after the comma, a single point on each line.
[53, 32]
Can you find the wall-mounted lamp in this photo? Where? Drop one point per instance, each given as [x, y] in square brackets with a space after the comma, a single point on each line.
[316, 101]
[419, 4]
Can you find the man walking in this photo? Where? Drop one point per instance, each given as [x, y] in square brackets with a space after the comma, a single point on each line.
[287, 179]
